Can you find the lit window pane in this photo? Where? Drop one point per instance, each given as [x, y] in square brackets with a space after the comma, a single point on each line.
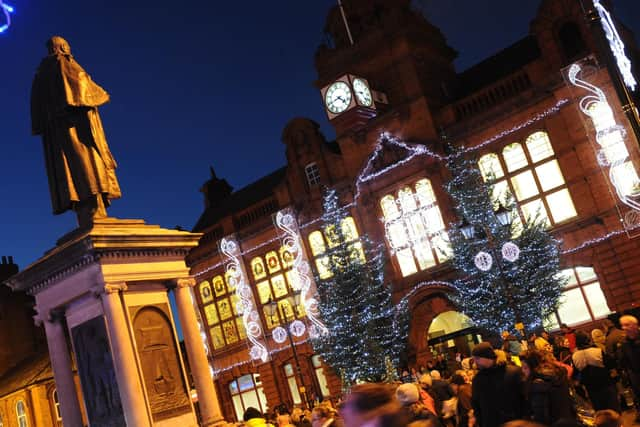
[230, 332]
[235, 300]
[279, 286]
[322, 264]
[286, 257]
[264, 291]
[405, 259]
[433, 219]
[586, 274]
[205, 292]
[257, 267]
[211, 314]
[561, 205]
[442, 246]
[271, 320]
[551, 323]
[218, 286]
[237, 405]
[570, 276]
[424, 191]
[549, 175]
[424, 255]
[273, 263]
[407, 201]
[514, 157]
[625, 178]
[499, 192]
[216, 337]
[224, 308]
[262, 397]
[524, 185]
[293, 278]
[417, 230]
[573, 309]
[250, 398]
[597, 301]
[242, 332]
[356, 252]
[389, 207]
[490, 166]
[397, 235]
[535, 211]
[539, 146]
[316, 241]
[349, 229]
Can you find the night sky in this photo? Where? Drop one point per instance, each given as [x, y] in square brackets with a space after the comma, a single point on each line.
[192, 84]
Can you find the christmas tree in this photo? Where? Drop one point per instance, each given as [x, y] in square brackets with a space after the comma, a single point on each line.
[509, 273]
[366, 334]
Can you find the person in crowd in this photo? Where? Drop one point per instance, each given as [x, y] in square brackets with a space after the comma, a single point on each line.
[442, 393]
[497, 389]
[371, 405]
[599, 339]
[299, 418]
[546, 388]
[462, 390]
[614, 338]
[426, 394]
[325, 416]
[254, 418]
[593, 366]
[284, 420]
[607, 418]
[510, 344]
[630, 356]
[561, 349]
[570, 336]
[408, 395]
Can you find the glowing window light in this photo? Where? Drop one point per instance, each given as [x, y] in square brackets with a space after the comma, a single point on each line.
[616, 45]
[7, 11]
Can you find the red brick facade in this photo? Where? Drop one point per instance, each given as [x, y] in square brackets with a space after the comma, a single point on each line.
[407, 58]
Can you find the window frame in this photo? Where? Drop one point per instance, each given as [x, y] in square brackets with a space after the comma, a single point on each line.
[211, 304]
[312, 173]
[395, 193]
[317, 259]
[22, 419]
[541, 195]
[256, 385]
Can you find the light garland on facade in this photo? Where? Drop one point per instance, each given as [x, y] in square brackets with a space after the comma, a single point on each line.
[616, 45]
[610, 136]
[292, 240]
[237, 279]
[7, 11]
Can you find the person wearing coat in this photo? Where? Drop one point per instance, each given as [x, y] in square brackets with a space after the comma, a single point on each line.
[546, 389]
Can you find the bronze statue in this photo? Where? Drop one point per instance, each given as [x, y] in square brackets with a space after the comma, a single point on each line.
[64, 110]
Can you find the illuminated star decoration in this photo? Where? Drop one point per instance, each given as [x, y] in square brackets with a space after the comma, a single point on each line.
[7, 11]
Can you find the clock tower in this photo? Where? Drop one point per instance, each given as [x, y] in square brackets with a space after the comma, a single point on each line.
[348, 101]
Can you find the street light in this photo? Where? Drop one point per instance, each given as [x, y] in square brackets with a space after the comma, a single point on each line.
[273, 309]
[509, 251]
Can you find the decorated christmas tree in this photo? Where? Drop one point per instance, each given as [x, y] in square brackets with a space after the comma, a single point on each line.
[366, 334]
[509, 267]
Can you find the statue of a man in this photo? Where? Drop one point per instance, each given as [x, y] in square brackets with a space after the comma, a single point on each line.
[64, 110]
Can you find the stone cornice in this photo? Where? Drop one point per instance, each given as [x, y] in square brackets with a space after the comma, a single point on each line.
[110, 240]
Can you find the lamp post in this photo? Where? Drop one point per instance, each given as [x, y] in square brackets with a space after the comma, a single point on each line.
[274, 309]
[509, 252]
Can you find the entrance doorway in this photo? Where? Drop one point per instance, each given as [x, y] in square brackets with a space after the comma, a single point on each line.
[451, 336]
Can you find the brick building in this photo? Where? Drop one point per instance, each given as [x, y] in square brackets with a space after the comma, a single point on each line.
[518, 110]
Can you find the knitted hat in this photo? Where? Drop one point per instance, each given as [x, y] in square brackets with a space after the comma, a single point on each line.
[407, 394]
[483, 350]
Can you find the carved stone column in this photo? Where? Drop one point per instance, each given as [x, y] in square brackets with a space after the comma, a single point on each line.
[62, 370]
[127, 375]
[207, 398]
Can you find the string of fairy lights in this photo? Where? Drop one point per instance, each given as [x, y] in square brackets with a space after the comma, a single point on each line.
[6, 11]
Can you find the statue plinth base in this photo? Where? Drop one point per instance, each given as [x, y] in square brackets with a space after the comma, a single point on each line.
[106, 289]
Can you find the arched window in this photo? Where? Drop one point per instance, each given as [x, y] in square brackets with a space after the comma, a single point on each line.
[571, 42]
[414, 228]
[582, 299]
[531, 173]
[21, 414]
[319, 241]
[246, 391]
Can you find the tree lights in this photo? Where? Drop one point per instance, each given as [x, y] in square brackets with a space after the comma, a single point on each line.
[6, 11]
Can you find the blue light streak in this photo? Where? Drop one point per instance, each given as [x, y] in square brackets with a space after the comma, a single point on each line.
[7, 10]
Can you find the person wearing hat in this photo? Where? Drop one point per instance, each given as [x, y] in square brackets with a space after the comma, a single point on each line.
[462, 390]
[497, 393]
[408, 395]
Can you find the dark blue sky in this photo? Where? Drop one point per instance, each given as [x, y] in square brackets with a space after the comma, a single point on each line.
[192, 84]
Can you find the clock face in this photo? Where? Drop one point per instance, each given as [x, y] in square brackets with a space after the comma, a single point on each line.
[338, 97]
[363, 94]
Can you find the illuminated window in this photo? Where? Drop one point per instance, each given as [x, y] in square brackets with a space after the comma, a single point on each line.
[292, 383]
[319, 241]
[582, 299]
[531, 173]
[21, 414]
[313, 174]
[56, 406]
[220, 311]
[414, 228]
[277, 284]
[247, 391]
[320, 376]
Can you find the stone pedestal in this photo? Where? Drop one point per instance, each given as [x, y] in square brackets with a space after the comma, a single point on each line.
[106, 289]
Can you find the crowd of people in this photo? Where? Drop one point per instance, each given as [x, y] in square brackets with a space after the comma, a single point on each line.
[567, 380]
